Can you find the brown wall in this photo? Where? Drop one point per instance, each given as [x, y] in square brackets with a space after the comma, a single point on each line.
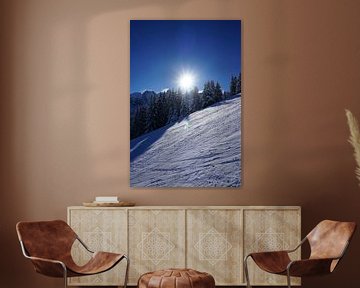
[65, 119]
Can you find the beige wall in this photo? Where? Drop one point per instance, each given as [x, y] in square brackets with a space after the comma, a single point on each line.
[65, 119]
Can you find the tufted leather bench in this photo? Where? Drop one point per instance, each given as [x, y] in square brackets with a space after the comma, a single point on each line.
[176, 278]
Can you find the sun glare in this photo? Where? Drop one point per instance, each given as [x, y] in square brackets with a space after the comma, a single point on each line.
[186, 81]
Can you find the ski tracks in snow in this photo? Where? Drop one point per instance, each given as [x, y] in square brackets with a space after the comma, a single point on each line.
[203, 150]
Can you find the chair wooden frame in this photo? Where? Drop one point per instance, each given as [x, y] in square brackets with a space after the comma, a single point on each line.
[315, 265]
[59, 268]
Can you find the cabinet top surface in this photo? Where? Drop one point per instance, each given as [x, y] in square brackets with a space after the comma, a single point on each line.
[193, 207]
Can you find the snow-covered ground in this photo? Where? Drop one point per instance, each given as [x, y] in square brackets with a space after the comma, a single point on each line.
[203, 150]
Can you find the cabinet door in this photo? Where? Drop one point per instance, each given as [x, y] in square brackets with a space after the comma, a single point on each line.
[214, 244]
[100, 230]
[271, 230]
[156, 240]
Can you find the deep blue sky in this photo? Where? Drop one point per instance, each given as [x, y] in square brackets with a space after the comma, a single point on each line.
[161, 49]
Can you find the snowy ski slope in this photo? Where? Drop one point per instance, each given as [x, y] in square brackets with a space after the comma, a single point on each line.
[203, 150]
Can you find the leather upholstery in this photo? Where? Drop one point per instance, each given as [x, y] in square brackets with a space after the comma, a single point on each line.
[176, 278]
[328, 241]
[53, 240]
[272, 262]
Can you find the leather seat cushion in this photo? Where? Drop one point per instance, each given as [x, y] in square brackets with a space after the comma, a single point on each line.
[176, 278]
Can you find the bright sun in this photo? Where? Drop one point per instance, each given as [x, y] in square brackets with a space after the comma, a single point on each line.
[186, 81]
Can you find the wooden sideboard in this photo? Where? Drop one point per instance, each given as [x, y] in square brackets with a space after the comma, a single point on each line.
[213, 239]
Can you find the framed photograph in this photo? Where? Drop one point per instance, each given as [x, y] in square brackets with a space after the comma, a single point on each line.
[185, 103]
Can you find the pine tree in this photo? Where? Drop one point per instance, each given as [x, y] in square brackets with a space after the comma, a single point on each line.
[161, 111]
[142, 120]
[206, 97]
[233, 85]
[139, 123]
[212, 89]
[178, 104]
[172, 106]
[132, 127]
[185, 105]
[152, 114]
[218, 95]
[238, 84]
[196, 100]
[211, 94]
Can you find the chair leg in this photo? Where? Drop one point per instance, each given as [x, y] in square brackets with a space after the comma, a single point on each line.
[127, 271]
[65, 276]
[288, 278]
[246, 270]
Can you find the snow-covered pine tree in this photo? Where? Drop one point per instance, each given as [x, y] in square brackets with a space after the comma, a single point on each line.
[209, 93]
[196, 100]
[178, 103]
[218, 95]
[185, 104]
[206, 96]
[172, 105]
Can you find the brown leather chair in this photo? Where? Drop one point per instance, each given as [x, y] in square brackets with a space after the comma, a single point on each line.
[48, 245]
[328, 242]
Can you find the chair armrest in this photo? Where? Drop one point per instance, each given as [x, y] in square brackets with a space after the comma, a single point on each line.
[271, 261]
[280, 251]
[269, 252]
[45, 260]
[83, 244]
[298, 246]
[309, 267]
[48, 267]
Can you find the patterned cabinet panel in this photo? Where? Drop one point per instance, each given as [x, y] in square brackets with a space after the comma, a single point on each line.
[156, 240]
[214, 244]
[210, 239]
[101, 230]
[269, 230]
